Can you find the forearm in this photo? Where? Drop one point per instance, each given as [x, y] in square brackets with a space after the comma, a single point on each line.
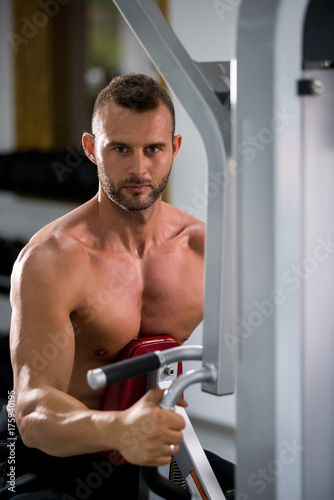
[60, 425]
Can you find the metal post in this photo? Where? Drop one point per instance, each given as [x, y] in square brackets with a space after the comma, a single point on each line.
[284, 437]
[194, 91]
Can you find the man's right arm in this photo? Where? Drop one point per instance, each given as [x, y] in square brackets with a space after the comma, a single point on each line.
[44, 293]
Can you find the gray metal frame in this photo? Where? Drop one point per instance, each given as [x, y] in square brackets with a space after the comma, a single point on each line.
[191, 458]
[318, 289]
[196, 94]
[285, 400]
[269, 125]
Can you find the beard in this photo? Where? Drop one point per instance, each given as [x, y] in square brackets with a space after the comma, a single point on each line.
[133, 201]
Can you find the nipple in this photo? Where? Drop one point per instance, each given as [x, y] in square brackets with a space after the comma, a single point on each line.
[101, 352]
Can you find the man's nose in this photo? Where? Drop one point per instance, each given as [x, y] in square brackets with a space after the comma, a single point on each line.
[139, 164]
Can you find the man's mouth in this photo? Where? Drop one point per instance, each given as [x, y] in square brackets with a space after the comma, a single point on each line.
[136, 188]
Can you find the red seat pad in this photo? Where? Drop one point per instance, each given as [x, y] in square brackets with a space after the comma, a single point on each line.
[122, 395]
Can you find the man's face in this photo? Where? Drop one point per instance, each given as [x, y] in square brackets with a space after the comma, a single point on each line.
[134, 154]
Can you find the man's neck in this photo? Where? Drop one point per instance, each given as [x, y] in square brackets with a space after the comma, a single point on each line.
[136, 230]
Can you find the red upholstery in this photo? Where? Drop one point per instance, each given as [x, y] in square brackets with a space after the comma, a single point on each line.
[122, 395]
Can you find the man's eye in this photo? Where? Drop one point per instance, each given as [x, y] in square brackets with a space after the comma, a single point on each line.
[152, 149]
[121, 149]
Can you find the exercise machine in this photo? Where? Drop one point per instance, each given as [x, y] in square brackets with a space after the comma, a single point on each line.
[279, 159]
[159, 358]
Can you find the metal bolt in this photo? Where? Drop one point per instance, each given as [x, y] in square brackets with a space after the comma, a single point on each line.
[168, 370]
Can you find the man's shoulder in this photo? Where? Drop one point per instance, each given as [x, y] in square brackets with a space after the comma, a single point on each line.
[191, 227]
[54, 249]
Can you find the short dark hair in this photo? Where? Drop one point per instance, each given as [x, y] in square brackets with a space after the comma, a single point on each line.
[137, 92]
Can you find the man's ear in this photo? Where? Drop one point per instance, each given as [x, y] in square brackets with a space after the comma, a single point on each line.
[88, 143]
[177, 140]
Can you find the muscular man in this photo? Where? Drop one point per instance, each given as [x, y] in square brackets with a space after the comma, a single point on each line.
[123, 265]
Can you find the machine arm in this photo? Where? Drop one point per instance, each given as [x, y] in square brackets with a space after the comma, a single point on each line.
[188, 81]
[123, 370]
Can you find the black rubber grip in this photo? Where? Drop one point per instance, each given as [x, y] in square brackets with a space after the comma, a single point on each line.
[162, 486]
[131, 367]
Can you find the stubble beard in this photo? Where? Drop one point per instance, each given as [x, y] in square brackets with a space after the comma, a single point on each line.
[134, 201]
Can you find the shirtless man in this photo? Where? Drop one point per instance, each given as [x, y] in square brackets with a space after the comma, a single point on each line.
[121, 266]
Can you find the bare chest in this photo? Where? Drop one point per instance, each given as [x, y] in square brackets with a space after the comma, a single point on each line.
[129, 299]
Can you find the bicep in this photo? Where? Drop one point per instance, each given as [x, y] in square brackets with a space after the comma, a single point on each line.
[42, 336]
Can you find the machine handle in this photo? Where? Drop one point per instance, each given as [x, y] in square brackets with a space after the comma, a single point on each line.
[123, 370]
[110, 374]
[162, 486]
[154, 480]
